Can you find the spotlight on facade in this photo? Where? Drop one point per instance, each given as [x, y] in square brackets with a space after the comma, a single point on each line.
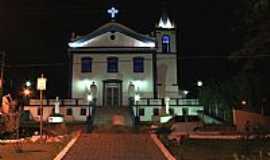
[199, 83]
[28, 84]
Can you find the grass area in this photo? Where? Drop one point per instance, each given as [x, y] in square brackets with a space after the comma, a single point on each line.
[39, 150]
[31, 151]
[218, 149]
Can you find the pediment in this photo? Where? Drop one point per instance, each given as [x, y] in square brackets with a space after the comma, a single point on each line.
[113, 35]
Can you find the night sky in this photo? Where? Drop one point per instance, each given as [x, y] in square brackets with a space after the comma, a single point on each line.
[34, 34]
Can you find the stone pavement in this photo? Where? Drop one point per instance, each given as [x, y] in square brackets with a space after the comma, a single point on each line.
[114, 146]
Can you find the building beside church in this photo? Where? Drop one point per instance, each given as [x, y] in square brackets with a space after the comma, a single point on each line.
[115, 57]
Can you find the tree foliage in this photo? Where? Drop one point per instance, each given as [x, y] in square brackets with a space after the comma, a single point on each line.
[250, 64]
[252, 59]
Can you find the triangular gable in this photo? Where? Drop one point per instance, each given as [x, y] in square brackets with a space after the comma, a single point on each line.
[113, 35]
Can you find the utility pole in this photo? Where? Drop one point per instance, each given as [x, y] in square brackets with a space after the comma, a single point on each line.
[3, 55]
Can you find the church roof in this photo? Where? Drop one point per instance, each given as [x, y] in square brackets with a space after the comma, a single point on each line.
[111, 27]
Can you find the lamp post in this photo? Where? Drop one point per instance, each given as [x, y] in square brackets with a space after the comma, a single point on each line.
[244, 104]
[167, 105]
[28, 84]
[41, 86]
[137, 98]
[89, 117]
[199, 85]
[26, 95]
[185, 92]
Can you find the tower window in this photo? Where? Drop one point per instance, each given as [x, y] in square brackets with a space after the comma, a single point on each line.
[86, 64]
[138, 64]
[112, 64]
[166, 43]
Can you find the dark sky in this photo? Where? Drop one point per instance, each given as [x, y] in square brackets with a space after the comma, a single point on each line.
[37, 31]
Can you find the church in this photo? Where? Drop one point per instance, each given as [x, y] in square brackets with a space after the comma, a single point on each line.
[114, 65]
[121, 62]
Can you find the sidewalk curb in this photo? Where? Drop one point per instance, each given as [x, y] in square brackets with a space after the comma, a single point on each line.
[67, 147]
[162, 148]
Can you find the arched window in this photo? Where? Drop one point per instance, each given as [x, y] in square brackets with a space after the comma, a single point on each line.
[138, 64]
[86, 64]
[166, 40]
[112, 64]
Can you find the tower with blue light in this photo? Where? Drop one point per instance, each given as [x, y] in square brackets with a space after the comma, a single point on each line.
[166, 57]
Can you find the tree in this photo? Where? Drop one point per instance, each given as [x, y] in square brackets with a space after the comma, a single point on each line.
[253, 58]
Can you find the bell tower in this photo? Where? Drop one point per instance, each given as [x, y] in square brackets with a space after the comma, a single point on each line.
[166, 58]
[166, 34]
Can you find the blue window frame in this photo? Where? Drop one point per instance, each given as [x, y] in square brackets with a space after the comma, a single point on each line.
[86, 64]
[166, 40]
[112, 64]
[138, 64]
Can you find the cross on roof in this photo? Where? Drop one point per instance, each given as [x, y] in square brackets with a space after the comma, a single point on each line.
[113, 12]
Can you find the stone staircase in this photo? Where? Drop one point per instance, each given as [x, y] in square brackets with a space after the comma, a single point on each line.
[108, 116]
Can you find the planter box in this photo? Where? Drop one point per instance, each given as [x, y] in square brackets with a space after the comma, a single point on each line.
[165, 118]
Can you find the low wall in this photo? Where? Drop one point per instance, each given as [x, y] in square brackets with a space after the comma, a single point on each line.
[241, 117]
[148, 111]
[48, 110]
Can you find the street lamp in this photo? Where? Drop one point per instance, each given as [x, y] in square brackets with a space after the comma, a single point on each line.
[41, 86]
[199, 83]
[28, 84]
[137, 98]
[185, 92]
[243, 102]
[89, 117]
[167, 104]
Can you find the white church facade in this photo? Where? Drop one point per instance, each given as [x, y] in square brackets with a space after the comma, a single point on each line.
[114, 64]
[115, 57]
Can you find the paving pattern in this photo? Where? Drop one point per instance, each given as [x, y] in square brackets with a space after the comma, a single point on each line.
[114, 146]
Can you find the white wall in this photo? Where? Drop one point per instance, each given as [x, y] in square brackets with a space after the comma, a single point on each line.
[80, 81]
[167, 75]
[47, 111]
[178, 110]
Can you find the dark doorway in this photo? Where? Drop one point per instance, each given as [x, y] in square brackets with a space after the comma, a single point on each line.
[112, 93]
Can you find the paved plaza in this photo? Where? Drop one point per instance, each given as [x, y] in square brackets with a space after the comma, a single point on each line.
[114, 146]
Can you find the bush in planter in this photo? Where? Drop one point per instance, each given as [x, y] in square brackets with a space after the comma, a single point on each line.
[165, 128]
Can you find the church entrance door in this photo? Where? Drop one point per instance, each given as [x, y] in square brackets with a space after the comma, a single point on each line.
[112, 93]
